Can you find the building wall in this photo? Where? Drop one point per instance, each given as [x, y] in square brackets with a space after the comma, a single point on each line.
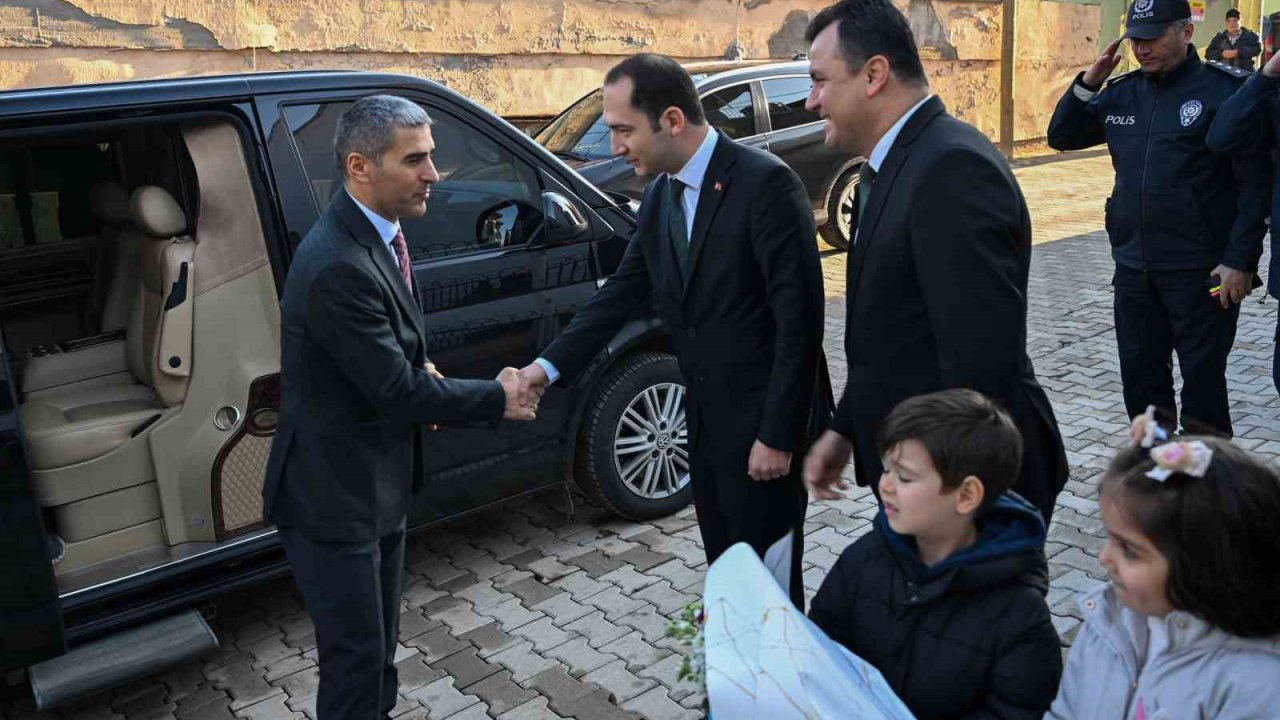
[520, 57]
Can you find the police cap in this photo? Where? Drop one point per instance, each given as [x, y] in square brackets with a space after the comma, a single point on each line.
[1148, 19]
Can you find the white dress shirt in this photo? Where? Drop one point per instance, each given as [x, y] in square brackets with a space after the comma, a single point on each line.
[386, 229]
[882, 148]
[692, 175]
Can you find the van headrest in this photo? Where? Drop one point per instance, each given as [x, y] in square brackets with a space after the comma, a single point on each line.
[156, 212]
[110, 202]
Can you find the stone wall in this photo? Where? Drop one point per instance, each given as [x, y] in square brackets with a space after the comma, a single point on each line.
[518, 57]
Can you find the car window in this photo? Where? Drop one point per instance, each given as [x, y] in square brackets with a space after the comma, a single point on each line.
[786, 98]
[579, 133]
[731, 111]
[476, 174]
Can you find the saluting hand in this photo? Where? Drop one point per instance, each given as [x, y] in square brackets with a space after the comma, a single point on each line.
[1272, 68]
[1104, 65]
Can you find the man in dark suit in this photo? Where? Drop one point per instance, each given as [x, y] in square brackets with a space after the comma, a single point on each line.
[725, 240]
[937, 274]
[356, 389]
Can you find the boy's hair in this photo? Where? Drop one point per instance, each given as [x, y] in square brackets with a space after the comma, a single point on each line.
[657, 83]
[965, 433]
[1220, 533]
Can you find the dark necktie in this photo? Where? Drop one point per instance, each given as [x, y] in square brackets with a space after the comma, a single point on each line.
[677, 233]
[866, 176]
[402, 259]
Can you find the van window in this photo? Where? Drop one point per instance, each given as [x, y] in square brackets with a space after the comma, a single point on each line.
[476, 174]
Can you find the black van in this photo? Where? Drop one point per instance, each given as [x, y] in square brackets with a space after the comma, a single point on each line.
[145, 233]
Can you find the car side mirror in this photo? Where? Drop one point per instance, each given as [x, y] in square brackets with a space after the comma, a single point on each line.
[565, 223]
[510, 222]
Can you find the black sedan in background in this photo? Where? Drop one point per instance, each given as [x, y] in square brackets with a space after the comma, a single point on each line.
[755, 104]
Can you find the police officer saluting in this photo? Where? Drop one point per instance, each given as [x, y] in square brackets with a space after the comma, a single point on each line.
[1182, 219]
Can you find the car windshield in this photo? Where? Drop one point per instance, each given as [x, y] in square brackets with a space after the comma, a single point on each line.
[579, 133]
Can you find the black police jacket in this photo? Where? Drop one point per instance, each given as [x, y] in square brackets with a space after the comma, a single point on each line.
[1176, 205]
[1250, 116]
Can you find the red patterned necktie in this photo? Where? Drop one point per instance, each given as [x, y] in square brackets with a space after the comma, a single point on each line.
[402, 256]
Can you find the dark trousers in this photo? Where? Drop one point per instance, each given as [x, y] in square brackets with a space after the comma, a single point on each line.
[352, 591]
[1159, 313]
[733, 508]
[1275, 357]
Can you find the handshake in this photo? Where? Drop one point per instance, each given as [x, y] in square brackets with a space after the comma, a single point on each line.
[524, 390]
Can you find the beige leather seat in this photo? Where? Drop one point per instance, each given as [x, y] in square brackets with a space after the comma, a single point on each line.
[120, 247]
[65, 428]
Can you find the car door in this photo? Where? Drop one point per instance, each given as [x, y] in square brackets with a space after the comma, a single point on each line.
[31, 627]
[796, 135]
[493, 288]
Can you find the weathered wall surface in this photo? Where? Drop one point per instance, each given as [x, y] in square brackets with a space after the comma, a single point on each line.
[518, 57]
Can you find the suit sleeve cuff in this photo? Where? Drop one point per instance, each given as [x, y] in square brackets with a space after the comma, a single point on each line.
[552, 373]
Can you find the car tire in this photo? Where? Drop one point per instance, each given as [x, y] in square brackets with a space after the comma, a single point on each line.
[637, 411]
[837, 230]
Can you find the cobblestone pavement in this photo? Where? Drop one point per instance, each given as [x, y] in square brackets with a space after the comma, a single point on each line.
[525, 614]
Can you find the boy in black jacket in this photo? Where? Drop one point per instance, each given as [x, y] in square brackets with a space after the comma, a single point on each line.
[946, 595]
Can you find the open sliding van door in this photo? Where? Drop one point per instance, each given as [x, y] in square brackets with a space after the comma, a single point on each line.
[31, 626]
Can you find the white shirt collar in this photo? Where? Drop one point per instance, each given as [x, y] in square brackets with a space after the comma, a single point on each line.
[386, 229]
[695, 170]
[882, 148]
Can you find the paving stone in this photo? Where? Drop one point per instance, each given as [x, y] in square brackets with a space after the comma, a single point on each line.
[617, 679]
[535, 709]
[205, 695]
[437, 644]
[667, 672]
[465, 580]
[500, 693]
[466, 668]
[579, 656]
[580, 586]
[246, 685]
[599, 705]
[182, 681]
[563, 609]
[629, 580]
[413, 623]
[459, 616]
[655, 704]
[474, 712]
[543, 634]
[643, 559]
[676, 573]
[549, 569]
[405, 706]
[512, 614]
[614, 603]
[635, 651]
[441, 699]
[595, 563]
[523, 662]
[138, 697]
[286, 667]
[531, 591]
[663, 597]
[596, 629]
[558, 687]
[420, 593]
[216, 710]
[650, 624]
[489, 639]
[414, 673]
[270, 709]
[301, 684]
[482, 596]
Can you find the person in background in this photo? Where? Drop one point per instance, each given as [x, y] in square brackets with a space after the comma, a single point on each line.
[1236, 46]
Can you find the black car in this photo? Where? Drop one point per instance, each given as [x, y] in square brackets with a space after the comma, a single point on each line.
[755, 104]
[146, 230]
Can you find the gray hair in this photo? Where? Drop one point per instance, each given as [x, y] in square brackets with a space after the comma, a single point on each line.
[369, 127]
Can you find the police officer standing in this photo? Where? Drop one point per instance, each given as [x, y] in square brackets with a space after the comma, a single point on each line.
[1182, 219]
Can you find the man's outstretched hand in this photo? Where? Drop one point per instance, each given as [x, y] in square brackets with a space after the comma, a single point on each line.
[533, 381]
[522, 404]
[824, 464]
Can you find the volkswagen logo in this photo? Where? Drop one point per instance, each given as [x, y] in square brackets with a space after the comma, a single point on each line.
[664, 442]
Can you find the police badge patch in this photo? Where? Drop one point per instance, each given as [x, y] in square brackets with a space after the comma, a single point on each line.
[1141, 8]
[1189, 111]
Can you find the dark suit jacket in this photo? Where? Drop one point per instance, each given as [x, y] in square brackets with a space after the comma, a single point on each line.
[747, 327]
[937, 292]
[354, 392]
